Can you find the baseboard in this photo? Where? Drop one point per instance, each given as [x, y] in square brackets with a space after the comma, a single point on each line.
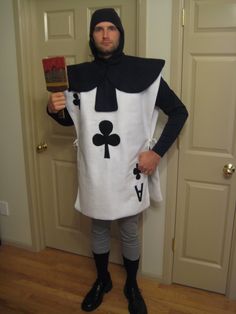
[150, 276]
[19, 245]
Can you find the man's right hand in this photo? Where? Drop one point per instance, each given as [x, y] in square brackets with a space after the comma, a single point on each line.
[56, 102]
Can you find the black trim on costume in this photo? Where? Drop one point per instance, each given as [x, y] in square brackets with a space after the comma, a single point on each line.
[125, 73]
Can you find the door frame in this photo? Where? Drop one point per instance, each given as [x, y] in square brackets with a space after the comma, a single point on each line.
[173, 155]
[23, 26]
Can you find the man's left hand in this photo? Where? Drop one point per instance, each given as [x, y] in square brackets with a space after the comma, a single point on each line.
[148, 162]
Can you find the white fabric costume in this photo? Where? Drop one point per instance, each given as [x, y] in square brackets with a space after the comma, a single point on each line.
[110, 184]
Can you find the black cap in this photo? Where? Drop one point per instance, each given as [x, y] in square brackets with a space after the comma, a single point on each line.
[106, 15]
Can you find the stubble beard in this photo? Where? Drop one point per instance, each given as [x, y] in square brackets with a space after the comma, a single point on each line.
[105, 53]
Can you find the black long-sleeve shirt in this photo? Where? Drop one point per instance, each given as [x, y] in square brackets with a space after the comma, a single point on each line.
[177, 114]
[169, 103]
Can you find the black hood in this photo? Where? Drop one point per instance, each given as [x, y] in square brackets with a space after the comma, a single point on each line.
[106, 15]
[119, 72]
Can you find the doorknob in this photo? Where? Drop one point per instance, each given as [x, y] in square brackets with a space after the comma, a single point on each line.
[41, 147]
[228, 170]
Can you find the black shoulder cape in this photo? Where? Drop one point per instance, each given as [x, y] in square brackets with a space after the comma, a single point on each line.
[127, 74]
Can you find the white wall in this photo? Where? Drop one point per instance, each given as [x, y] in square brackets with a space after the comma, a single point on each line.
[16, 227]
[158, 46]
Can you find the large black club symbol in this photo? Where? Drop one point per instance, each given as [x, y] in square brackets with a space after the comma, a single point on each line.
[106, 138]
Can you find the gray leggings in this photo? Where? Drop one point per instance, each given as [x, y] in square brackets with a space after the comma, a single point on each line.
[129, 234]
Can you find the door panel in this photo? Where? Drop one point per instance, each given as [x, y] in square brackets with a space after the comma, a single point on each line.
[206, 198]
[61, 28]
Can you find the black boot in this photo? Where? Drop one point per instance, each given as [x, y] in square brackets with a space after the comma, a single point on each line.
[102, 285]
[131, 290]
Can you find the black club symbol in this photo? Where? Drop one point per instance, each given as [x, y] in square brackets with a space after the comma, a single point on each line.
[76, 100]
[137, 172]
[106, 138]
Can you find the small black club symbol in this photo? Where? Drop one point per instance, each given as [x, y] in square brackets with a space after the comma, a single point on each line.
[106, 138]
[137, 172]
[76, 100]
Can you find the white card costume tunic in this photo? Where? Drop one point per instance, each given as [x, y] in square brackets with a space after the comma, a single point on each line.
[110, 184]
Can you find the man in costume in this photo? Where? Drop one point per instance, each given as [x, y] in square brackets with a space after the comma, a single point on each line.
[113, 102]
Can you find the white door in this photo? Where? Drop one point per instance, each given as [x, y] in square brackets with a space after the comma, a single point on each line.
[61, 28]
[207, 197]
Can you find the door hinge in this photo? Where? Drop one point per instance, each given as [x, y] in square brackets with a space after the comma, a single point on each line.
[173, 244]
[183, 17]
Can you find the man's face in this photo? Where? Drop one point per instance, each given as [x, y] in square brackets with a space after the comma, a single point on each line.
[106, 38]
